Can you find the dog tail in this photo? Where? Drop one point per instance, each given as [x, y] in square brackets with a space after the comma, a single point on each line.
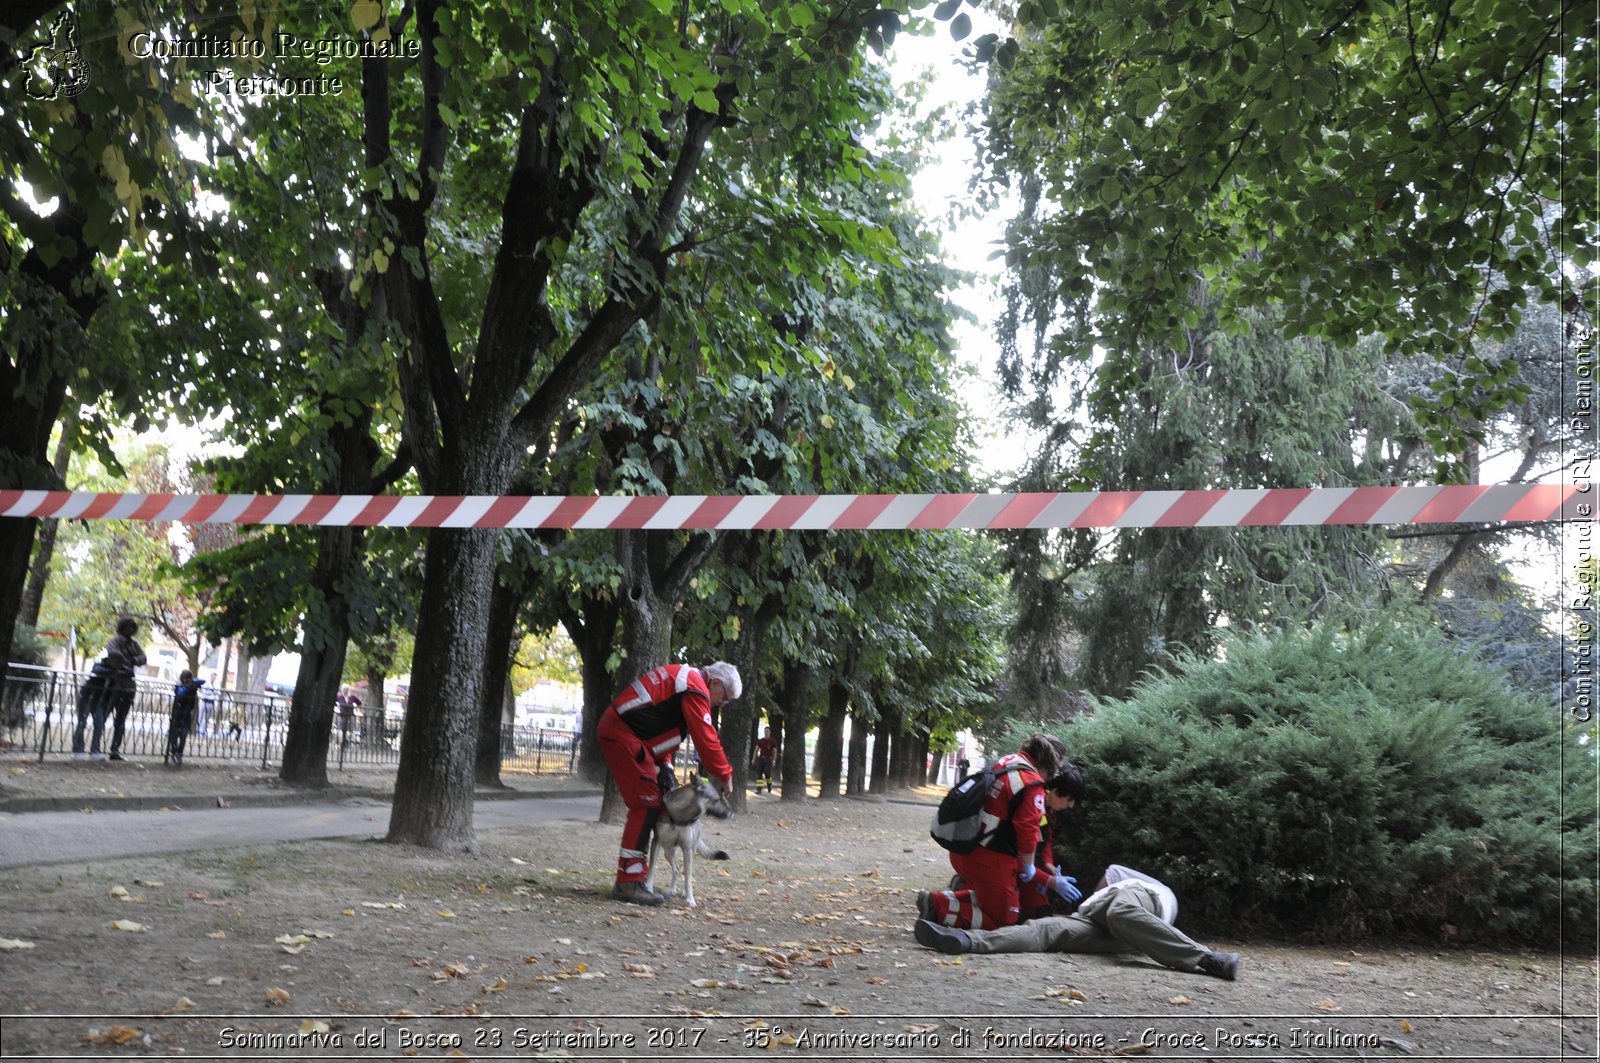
[702, 849]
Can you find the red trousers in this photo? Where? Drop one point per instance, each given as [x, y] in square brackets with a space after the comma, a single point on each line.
[990, 897]
[637, 773]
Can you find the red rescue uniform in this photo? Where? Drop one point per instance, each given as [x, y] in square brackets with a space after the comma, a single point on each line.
[639, 732]
[990, 898]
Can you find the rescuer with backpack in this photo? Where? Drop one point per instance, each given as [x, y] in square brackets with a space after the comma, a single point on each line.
[998, 857]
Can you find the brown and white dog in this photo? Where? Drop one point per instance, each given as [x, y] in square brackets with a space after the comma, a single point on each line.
[684, 809]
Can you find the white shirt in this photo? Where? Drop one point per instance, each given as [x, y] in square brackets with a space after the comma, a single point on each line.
[1119, 877]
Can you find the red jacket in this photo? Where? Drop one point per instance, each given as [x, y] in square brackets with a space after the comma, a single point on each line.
[667, 704]
[1016, 772]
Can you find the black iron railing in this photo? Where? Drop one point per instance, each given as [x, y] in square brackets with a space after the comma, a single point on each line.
[40, 713]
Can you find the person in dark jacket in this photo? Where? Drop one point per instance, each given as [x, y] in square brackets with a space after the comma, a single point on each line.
[185, 700]
[124, 656]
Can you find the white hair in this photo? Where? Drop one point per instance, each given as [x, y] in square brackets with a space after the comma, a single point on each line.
[728, 676]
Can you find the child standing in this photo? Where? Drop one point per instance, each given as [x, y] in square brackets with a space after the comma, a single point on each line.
[185, 698]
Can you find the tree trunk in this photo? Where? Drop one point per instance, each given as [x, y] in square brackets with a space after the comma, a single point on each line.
[503, 609]
[433, 787]
[830, 741]
[793, 703]
[738, 725]
[44, 552]
[860, 731]
[305, 749]
[880, 753]
[374, 714]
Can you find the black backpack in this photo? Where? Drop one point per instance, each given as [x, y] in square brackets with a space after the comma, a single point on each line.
[958, 825]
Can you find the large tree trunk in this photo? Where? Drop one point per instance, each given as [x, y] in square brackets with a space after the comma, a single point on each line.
[830, 741]
[794, 702]
[498, 647]
[880, 751]
[738, 725]
[647, 614]
[305, 750]
[39, 570]
[855, 784]
[433, 787]
[592, 637]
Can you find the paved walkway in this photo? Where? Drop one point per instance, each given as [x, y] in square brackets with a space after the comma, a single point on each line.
[64, 810]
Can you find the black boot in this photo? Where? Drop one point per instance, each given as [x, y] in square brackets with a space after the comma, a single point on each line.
[945, 939]
[636, 893]
[1223, 965]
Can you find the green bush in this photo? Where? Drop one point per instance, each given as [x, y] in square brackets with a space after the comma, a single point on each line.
[1346, 785]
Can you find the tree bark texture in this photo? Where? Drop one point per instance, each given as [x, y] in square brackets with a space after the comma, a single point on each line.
[305, 750]
[880, 751]
[855, 784]
[433, 786]
[830, 741]
[503, 609]
[794, 702]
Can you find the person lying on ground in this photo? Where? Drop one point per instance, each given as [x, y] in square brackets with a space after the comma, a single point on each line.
[1129, 911]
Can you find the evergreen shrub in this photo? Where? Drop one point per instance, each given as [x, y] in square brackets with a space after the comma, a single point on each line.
[1345, 784]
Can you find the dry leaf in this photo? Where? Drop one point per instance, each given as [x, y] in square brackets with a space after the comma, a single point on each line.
[311, 1026]
[277, 998]
[216, 980]
[293, 950]
[316, 933]
[445, 913]
[15, 943]
[291, 939]
[1326, 1004]
[113, 1035]
[639, 970]
[118, 892]
[1179, 1001]
[129, 925]
[497, 986]
[382, 904]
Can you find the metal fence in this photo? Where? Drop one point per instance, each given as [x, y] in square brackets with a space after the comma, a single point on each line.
[40, 713]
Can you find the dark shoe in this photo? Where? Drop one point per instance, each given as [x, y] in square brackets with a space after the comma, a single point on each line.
[945, 939]
[925, 904]
[635, 893]
[116, 756]
[1223, 965]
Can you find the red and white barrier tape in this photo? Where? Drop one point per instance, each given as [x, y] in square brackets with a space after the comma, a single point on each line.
[1086, 509]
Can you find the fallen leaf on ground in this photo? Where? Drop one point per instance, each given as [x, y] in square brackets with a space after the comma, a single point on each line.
[183, 1004]
[311, 1026]
[129, 925]
[277, 998]
[15, 943]
[1326, 1004]
[118, 892]
[217, 935]
[291, 939]
[1179, 1001]
[113, 1035]
[497, 986]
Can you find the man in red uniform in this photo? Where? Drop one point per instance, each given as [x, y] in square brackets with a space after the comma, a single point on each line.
[639, 733]
[1004, 860]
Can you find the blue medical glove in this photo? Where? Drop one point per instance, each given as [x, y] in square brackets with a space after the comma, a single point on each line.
[1025, 873]
[1067, 887]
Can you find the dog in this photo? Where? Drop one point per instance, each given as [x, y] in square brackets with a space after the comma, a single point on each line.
[683, 813]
